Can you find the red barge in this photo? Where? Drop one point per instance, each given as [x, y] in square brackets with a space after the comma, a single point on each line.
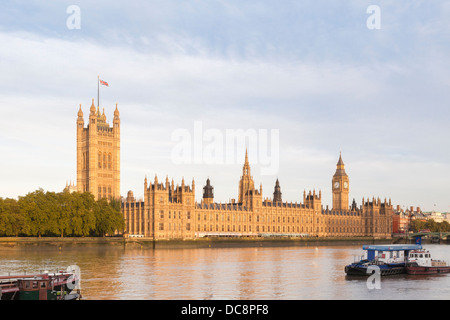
[420, 262]
[45, 286]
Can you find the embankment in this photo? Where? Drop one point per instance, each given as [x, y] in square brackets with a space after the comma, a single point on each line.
[149, 243]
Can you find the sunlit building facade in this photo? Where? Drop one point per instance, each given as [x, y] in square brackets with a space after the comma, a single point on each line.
[171, 211]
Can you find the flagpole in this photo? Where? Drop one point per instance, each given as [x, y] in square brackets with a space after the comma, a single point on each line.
[98, 91]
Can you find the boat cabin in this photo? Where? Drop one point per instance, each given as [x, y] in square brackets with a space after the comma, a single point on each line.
[35, 288]
[389, 253]
[423, 259]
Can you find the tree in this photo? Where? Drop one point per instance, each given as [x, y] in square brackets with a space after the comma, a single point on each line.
[109, 217]
[16, 217]
[4, 221]
[35, 209]
[48, 213]
[417, 225]
[88, 214]
[82, 214]
[64, 208]
[432, 225]
[53, 213]
[445, 226]
[116, 204]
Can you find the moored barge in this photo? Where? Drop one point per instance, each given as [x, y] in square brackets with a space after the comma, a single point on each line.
[45, 286]
[388, 259]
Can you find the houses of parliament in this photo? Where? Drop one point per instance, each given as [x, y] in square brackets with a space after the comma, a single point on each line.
[170, 211]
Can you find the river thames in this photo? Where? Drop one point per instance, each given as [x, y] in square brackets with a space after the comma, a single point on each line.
[269, 273]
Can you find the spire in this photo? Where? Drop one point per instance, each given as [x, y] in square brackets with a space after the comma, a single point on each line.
[246, 184]
[340, 162]
[246, 168]
[116, 112]
[340, 167]
[80, 113]
[277, 192]
[92, 107]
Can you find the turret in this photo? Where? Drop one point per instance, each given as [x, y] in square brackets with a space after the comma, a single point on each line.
[313, 201]
[92, 109]
[80, 115]
[277, 192]
[116, 121]
[208, 193]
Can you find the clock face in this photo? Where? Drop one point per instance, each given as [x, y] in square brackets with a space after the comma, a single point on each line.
[336, 185]
[345, 185]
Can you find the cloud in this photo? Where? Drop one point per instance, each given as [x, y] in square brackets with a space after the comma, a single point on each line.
[325, 82]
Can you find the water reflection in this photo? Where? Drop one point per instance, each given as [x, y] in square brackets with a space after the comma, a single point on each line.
[223, 273]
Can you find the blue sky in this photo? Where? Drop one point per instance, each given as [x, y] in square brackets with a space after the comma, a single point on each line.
[311, 69]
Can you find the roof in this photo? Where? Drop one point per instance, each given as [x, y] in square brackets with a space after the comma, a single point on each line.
[392, 247]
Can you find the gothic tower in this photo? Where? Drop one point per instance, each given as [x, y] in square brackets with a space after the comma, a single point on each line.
[208, 193]
[277, 192]
[98, 154]
[246, 183]
[340, 187]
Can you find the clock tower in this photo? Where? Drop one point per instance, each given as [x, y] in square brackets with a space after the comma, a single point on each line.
[340, 187]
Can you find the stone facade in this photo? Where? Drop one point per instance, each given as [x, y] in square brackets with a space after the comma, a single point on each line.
[171, 212]
[98, 154]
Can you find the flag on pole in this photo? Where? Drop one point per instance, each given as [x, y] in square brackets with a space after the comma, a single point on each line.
[98, 88]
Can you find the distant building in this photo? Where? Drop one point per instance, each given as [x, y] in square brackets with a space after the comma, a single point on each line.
[436, 216]
[70, 187]
[401, 219]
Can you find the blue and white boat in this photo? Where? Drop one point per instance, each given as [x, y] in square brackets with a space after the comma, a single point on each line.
[389, 259]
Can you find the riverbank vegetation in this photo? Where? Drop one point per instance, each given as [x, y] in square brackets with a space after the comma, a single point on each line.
[430, 224]
[60, 214]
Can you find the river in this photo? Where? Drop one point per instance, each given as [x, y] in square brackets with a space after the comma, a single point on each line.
[270, 273]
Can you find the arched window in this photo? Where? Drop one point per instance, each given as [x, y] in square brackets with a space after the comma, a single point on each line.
[99, 160]
[109, 161]
[104, 161]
